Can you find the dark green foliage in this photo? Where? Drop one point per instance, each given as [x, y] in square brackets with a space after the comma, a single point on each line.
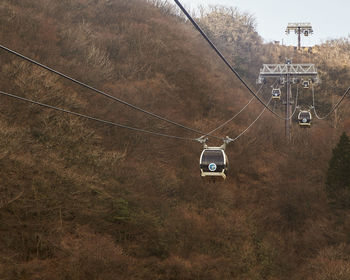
[121, 210]
[338, 175]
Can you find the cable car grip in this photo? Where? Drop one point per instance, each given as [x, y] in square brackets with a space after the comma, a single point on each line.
[203, 139]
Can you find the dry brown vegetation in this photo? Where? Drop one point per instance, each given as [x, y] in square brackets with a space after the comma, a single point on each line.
[79, 200]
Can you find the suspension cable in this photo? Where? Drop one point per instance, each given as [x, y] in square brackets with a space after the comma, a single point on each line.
[244, 131]
[231, 119]
[94, 119]
[224, 59]
[334, 107]
[101, 92]
[295, 106]
[296, 103]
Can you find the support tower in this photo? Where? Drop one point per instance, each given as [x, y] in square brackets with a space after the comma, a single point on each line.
[299, 28]
[289, 74]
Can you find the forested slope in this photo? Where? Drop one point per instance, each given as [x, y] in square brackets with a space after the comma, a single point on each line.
[82, 200]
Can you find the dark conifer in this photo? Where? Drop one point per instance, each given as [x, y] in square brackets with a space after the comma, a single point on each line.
[338, 175]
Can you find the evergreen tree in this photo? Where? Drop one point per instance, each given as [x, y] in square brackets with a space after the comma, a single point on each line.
[338, 175]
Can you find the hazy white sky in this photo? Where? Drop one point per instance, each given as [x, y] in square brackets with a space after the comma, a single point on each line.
[329, 18]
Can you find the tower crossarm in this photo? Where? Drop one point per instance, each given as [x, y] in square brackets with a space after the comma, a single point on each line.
[299, 26]
[294, 70]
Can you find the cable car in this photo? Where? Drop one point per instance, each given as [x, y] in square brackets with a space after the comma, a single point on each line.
[305, 83]
[304, 118]
[295, 80]
[213, 163]
[276, 93]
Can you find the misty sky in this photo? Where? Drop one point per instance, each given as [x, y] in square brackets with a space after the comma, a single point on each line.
[330, 19]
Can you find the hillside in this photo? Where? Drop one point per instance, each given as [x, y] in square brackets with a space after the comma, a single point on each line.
[83, 200]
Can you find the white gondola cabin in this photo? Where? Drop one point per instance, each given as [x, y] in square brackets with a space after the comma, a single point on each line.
[304, 118]
[276, 93]
[213, 163]
[306, 84]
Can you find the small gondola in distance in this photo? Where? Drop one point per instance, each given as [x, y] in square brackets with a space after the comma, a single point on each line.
[276, 93]
[306, 84]
[304, 118]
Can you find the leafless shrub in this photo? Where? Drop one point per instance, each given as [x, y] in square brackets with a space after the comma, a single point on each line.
[164, 5]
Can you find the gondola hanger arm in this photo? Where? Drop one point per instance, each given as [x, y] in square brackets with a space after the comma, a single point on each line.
[227, 141]
[203, 140]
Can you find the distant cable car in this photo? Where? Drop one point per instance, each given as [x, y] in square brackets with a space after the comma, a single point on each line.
[213, 163]
[305, 83]
[304, 118]
[295, 80]
[276, 93]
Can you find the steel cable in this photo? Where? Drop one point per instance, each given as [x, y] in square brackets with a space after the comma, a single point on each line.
[244, 131]
[103, 93]
[232, 118]
[224, 59]
[93, 118]
[296, 103]
[334, 107]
